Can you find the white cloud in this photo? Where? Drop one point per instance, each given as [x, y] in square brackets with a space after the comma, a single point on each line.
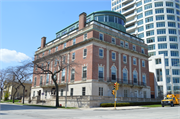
[12, 55]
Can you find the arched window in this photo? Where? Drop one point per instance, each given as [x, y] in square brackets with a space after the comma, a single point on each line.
[113, 72]
[135, 76]
[125, 75]
[144, 79]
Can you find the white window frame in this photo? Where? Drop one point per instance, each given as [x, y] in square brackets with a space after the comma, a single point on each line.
[74, 56]
[71, 74]
[112, 55]
[127, 45]
[82, 73]
[135, 61]
[100, 91]
[133, 48]
[85, 36]
[102, 52]
[98, 72]
[142, 49]
[56, 48]
[126, 94]
[73, 43]
[126, 58]
[102, 36]
[122, 42]
[142, 63]
[83, 53]
[112, 40]
[64, 45]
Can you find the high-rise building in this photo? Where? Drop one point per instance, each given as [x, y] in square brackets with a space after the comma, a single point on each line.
[157, 22]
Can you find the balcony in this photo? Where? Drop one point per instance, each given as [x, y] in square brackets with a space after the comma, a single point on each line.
[124, 11]
[125, 4]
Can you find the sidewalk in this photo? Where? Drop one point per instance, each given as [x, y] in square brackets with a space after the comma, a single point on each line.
[112, 108]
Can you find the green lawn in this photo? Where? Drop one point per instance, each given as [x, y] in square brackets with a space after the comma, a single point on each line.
[158, 105]
[10, 101]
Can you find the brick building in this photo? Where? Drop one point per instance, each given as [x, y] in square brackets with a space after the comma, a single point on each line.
[105, 54]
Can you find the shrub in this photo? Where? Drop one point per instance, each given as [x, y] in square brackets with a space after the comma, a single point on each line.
[6, 96]
[128, 104]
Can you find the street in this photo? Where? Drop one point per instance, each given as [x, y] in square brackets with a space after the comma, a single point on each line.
[9, 111]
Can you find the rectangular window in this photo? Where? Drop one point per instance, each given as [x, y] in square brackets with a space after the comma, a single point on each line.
[148, 6]
[83, 91]
[162, 46]
[33, 93]
[175, 62]
[113, 41]
[171, 24]
[158, 4]
[148, 12]
[160, 24]
[134, 61]
[166, 62]
[56, 48]
[158, 61]
[72, 74]
[168, 80]
[145, 94]
[177, 6]
[175, 79]
[85, 36]
[73, 56]
[71, 93]
[157, 11]
[113, 56]
[101, 73]
[151, 47]
[63, 75]
[149, 26]
[138, 4]
[134, 47]
[170, 17]
[140, 22]
[161, 31]
[139, 9]
[178, 12]
[141, 35]
[159, 74]
[61, 92]
[122, 43]
[176, 71]
[172, 38]
[125, 93]
[150, 40]
[101, 52]
[101, 37]
[164, 52]
[175, 53]
[124, 58]
[173, 46]
[178, 18]
[41, 80]
[126, 45]
[172, 31]
[74, 41]
[146, 1]
[49, 51]
[151, 53]
[170, 4]
[160, 17]
[139, 16]
[85, 53]
[150, 33]
[143, 63]
[140, 28]
[142, 50]
[169, 10]
[85, 72]
[100, 91]
[64, 45]
[161, 38]
[149, 19]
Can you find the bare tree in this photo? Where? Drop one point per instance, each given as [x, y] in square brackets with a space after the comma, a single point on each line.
[3, 74]
[59, 63]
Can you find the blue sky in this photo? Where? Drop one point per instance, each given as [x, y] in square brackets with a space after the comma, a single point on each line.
[24, 22]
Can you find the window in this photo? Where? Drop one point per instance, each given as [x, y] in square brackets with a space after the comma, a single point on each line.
[113, 73]
[170, 4]
[157, 11]
[173, 46]
[148, 12]
[85, 72]
[139, 9]
[83, 91]
[149, 19]
[144, 79]
[139, 16]
[161, 38]
[176, 88]
[113, 40]
[100, 91]
[41, 80]
[135, 76]
[64, 45]
[172, 31]
[49, 51]
[72, 74]
[176, 71]
[64, 59]
[158, 61]
[141, 35]
[43, 54]
[74, 41]
[61, 92]
[134, 47]
[113, 56]
[125, 75]
[126, 45]
[134, 61]
[142, 50]
[151, 47]
[171, 24]
[85, 36]
[85, 53]
[161, 31]
[175, 53]
[138, 4]
[175, 79]
[35, 82]
[175, 62]
[140, 22]
[166, 62]
[146, 1]
[63, 75]
[178, 12]
[71, 93]
[151, 53]
[172, 38]
[101, 52]
[160, 24]
[168, 80]
[158, 4]
[169, 10]
[101, 73]
[101, 37]
[159, 74]
[125, 93]
[124, 58]
[145, 94]
[148, 6]
[150, 33]
[160, 17]
[143, 63]
[47, 78]
[170, 17]
[73, 56]
[122, 43]
[178, 25]
[140, 28]
[162, 46]
[164, 52]
[178, 18]
[150, 40]
[149, 26]
[177, 6]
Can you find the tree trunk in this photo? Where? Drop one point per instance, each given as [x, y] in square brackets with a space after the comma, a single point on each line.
[1, 94]
[14, 95]
[57, 95]
[23, 93]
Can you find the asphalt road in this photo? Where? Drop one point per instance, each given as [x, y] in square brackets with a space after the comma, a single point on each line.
[9, 111]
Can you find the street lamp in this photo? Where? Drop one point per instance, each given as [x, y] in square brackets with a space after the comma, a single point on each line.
[171, 77]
